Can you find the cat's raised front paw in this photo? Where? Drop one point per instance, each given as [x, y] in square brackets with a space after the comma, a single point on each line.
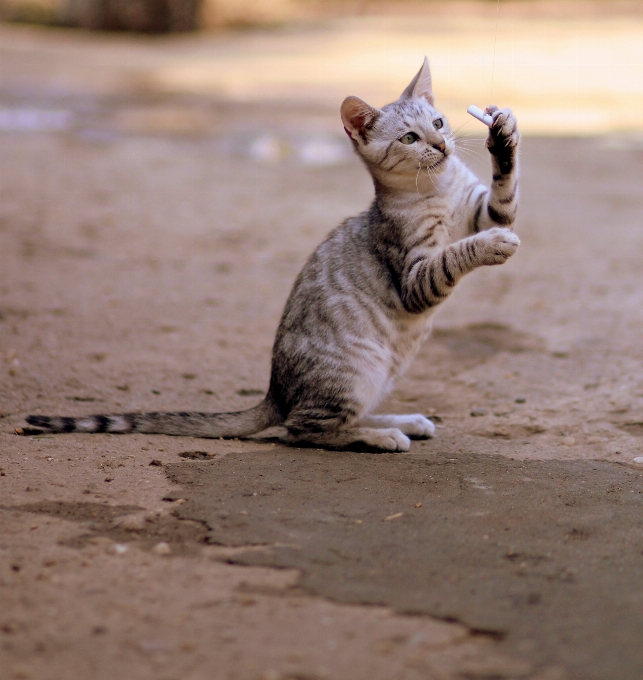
[498, 245]
[504, 129]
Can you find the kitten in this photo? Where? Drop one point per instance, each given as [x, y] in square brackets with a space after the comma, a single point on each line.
[364, 301]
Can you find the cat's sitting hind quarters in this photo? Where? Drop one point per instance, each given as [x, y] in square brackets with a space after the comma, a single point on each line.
[364, 301]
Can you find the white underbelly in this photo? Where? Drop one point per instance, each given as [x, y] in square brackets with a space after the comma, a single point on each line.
[380, 365]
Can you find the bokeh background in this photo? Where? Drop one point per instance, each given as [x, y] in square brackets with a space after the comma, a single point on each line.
[568, 67]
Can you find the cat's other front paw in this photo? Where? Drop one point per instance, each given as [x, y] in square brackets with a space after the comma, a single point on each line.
[503, 133]
[498, 245]
[416, 426]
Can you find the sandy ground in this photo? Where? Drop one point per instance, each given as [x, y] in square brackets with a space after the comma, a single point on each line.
[149, 234]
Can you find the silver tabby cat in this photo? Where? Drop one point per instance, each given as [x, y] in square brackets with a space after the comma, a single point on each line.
[364, 301]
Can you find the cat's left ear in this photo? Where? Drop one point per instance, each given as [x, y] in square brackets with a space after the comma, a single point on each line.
[421, 85]
[358, 117]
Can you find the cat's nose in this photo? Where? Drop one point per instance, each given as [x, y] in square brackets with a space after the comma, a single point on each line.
[440, 147]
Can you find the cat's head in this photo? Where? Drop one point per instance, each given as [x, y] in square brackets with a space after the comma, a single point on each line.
[403, 138]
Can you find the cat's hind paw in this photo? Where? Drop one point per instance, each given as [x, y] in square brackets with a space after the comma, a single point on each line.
[389, 440]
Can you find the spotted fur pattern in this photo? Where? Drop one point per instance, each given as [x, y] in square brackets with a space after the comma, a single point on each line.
[364, 301]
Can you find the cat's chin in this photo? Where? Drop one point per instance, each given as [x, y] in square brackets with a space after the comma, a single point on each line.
[439, 165]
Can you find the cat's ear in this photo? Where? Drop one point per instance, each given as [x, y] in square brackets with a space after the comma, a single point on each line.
[358, 117]
[421, 85]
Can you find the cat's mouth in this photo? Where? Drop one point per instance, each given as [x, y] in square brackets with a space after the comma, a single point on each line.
[436, 164]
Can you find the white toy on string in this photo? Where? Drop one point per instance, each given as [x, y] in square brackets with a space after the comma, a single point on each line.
[480, 115]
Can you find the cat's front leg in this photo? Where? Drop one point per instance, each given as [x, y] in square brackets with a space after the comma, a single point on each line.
[500, 204]
[428, 279]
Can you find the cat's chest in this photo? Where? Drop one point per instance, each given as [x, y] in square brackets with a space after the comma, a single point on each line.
[410, 333]
[437, 225]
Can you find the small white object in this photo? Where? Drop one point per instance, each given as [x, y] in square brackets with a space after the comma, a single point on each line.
[638, 460]
[480, 115]
[162, 548]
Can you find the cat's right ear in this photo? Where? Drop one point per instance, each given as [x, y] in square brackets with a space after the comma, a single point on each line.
[358, 118]
[421, 85]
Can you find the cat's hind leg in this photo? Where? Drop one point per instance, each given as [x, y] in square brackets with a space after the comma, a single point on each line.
[338, 428]
[376, 440]
[414, 425]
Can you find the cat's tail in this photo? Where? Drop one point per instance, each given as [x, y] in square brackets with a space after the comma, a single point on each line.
[188, 424]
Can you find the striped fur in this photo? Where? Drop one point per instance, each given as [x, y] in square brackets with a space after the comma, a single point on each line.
[364, 301]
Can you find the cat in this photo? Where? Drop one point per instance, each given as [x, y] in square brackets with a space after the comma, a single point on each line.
[364, 301]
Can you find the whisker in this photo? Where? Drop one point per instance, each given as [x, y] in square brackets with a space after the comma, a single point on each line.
[468, 140]
[429, 174]
[470, 153]
[469, 147]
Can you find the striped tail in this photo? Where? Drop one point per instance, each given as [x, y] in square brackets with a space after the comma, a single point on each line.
[237, 424]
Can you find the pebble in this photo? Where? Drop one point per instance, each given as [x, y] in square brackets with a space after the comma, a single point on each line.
[638, 460]
[476, 412]
[569, 441]
[162, 549]
[118, 549]
[131, 523]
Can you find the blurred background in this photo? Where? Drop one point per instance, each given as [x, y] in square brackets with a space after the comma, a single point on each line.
[566, 67]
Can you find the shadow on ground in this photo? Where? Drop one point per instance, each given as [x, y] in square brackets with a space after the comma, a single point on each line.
[531, 553]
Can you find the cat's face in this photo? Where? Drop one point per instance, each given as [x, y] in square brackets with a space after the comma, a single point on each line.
[407, 137]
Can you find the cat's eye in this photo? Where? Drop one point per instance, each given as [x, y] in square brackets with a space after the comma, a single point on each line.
[409, 138]
[438, 124]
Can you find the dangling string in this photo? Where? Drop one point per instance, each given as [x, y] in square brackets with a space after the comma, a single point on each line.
[495, 42]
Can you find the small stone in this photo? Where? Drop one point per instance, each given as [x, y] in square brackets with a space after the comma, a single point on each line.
[116, 549]
[417, 505]
[131, 523]
[477, 412]
[520, 400]
[638, 460]
[156, 462]
[569, 441]
[162, 549]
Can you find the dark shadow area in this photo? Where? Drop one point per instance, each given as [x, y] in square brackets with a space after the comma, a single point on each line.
[100, 520]
[546, 556]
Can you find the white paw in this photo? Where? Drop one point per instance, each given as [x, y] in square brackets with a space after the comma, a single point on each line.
[416, 426]
[391, 440]
[498, 245]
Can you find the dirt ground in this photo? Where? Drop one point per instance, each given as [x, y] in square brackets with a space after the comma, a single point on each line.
[148, 240]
